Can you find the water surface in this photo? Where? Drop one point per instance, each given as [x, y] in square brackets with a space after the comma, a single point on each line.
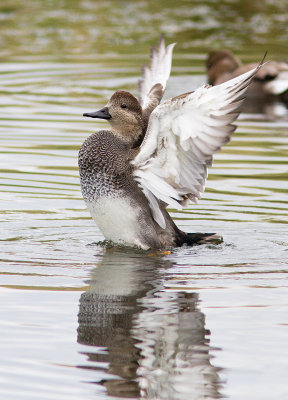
[82, 322]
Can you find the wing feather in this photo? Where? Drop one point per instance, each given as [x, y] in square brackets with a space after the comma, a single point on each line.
[158, 72]
[182, 135]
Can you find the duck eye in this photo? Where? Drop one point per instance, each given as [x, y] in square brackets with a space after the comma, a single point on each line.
[123, 106]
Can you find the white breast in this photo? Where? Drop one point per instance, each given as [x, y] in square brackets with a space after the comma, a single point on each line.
[118, 220]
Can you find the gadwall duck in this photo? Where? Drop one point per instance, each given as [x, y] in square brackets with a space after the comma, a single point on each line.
[154, 156]
[270, 80]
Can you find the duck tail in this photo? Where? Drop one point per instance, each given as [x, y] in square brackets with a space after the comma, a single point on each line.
[197, 238]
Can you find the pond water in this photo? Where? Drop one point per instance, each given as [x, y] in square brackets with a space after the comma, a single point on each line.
[82, 322]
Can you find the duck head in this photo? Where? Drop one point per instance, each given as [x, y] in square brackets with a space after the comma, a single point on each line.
[124, 114]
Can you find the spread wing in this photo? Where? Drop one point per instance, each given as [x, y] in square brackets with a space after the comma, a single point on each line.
[182, 135]
[157, 73]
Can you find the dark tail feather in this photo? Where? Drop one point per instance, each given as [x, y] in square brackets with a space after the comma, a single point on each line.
[197, 238]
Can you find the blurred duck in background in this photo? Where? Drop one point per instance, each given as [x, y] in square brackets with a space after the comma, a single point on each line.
[269, 85]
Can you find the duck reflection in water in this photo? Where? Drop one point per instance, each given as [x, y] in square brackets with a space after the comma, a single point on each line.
[152, 342]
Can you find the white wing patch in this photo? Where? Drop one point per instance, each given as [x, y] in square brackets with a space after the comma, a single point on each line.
[182, 135]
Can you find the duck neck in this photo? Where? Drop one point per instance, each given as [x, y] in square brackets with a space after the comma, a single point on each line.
[129, 135]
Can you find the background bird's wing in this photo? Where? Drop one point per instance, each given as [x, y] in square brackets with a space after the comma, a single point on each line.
[182, 135]
[156, 74]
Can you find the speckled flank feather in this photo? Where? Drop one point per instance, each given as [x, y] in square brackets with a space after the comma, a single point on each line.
[100, 156]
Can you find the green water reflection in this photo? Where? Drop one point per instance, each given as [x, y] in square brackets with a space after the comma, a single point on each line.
[84, 28]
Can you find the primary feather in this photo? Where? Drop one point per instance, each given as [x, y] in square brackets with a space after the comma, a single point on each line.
[157, 73]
